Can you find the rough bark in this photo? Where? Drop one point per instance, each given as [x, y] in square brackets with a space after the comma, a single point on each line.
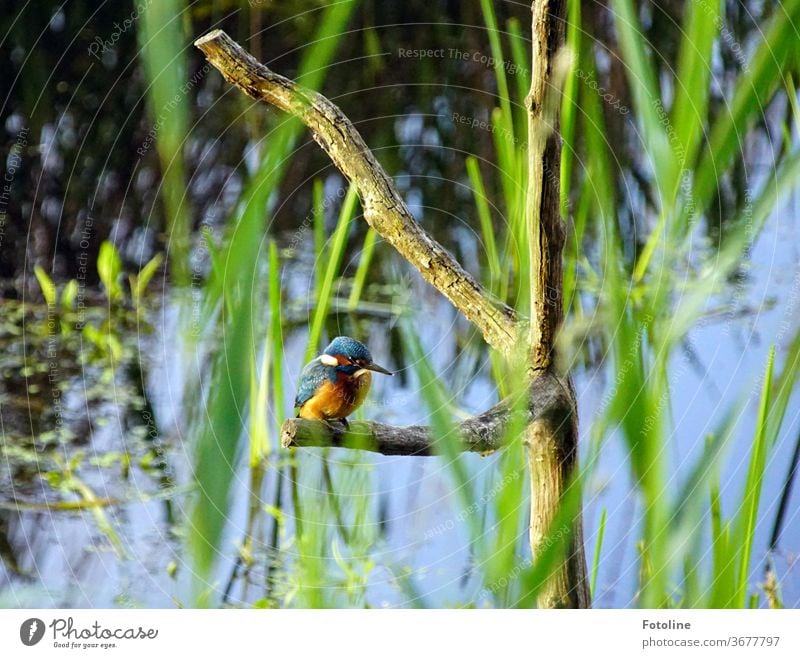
[552, 446]
[544, 165]
[552, 443]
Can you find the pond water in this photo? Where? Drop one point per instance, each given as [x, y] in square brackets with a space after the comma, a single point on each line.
[64, 558]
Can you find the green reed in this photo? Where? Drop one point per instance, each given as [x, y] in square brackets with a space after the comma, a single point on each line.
[234, 289]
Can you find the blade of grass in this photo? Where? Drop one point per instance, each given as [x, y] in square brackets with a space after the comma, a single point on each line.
[490, 20]
[333, 257]
[522, 62]
[259, 394]
[754, 87]
[781, 394]
[499, 556]
[276, 333]
[650, 113]
[692, 89]
[569, 106]
[162, 40]
[445, 442]
[360, 279]
[723, 583]
[746, 227]
[47, 286]
[598, 547]
[319, 235]
[487, 230]
[745, 526]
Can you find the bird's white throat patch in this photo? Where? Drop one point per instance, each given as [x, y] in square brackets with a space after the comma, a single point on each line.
[329, 360]
[358, 373]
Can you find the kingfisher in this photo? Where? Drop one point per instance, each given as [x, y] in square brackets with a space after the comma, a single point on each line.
[334, 385]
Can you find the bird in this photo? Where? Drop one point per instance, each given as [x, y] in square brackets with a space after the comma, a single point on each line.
[334, 385]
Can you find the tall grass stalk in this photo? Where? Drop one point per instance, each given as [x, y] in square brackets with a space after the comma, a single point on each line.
[745, 526]
[217, 432]
[162, 42]
[360, 278]
[332, 258]
[598, 547]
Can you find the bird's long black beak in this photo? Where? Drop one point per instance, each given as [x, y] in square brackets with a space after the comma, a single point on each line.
[376, 368]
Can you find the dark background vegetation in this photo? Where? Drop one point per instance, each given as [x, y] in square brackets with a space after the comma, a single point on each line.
[93, 112]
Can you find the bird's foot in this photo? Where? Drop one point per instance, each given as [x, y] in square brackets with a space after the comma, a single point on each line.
[337, 428]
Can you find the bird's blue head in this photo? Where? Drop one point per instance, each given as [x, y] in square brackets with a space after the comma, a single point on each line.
[350, 356]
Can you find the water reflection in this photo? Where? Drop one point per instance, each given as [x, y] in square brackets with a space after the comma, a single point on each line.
[122, 547]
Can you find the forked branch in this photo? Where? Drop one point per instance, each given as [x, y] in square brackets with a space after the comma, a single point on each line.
[551, 423]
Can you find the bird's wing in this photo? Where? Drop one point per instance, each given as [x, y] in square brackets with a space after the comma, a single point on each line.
[311, 379]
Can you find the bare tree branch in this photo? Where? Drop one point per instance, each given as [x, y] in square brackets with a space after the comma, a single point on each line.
[548, 401]
[482, 434]
[384, 208]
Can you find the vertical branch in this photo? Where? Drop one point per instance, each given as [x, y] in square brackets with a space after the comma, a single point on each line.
[552, 446]
[551, 442]
[543, 217]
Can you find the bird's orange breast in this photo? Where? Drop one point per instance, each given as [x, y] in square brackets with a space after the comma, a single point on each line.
[337, 400]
